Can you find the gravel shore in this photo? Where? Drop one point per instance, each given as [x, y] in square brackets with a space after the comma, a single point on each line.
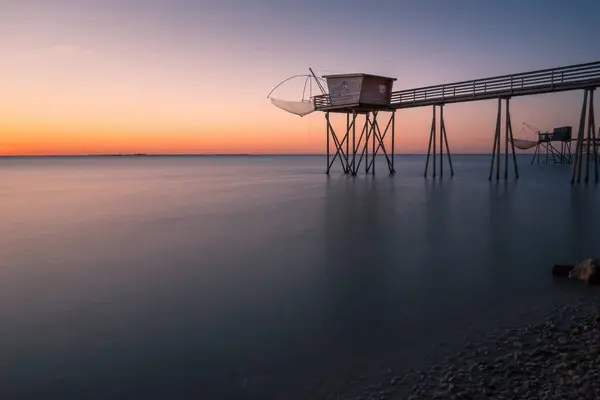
[556, 356]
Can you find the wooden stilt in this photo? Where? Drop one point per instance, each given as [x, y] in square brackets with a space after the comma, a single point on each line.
[374, 153]
[393, 140]
[380, 138]
[327, 119]
[347, 143]
[443, 128]
[441, 141]
[535, 153]
[434, 142]
[594, 137]
[432, 146]
[506, 142]
[512, 143]
[363, 146]
[339, 146]
[590, 134]
[582, 141]
[496, 135]
[498, 140]
[576, 174]
[430, 141]
[353, 144]
[367, 143]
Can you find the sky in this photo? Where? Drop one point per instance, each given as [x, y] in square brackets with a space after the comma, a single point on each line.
[183, 76]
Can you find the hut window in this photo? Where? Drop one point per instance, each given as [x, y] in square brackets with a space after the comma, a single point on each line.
[382, 89]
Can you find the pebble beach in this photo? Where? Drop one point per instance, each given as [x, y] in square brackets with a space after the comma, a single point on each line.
[555, 354]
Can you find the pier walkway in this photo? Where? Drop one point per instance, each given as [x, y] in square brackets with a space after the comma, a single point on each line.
[573, 77]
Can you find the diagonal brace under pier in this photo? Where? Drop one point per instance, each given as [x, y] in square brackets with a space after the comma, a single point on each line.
[431, 150]
[508, 138]
[370, 134]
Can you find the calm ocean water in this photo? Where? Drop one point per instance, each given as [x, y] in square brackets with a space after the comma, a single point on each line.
[253, 277]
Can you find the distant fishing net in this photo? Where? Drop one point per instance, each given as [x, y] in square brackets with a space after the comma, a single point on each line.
[524, 144]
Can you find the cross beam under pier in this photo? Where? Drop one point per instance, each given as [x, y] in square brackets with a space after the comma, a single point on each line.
[370, 137]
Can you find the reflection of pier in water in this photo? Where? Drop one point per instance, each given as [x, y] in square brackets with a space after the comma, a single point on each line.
[371, 96]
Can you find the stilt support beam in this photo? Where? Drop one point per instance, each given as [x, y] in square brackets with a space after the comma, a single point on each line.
[586, 147]
[443, 137]
[508, 139]
[365, 137]
[339, 145]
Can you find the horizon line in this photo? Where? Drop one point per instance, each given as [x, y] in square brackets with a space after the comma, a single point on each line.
[217, 155]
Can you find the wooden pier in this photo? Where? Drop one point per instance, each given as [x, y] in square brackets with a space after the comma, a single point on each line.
[584, 77]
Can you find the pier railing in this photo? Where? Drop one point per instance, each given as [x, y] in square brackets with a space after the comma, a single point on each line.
[559, 79]
[322, 102]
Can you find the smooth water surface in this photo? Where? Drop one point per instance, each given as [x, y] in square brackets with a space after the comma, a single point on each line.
[252, 277]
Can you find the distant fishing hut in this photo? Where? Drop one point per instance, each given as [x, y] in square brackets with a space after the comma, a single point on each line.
[559, 154]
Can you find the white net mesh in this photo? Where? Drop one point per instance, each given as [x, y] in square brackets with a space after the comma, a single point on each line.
[300, 108]
[524, 144]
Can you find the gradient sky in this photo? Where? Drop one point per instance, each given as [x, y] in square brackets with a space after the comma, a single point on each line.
[182, 76]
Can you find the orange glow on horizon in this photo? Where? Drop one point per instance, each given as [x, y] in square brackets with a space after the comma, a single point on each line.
[66, 101]
[42, 127]
[301, 137]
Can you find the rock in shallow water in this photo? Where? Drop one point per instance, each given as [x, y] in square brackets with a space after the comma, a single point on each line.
[587, 271]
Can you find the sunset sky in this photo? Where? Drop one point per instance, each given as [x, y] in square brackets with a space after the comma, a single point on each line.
[183, 76]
